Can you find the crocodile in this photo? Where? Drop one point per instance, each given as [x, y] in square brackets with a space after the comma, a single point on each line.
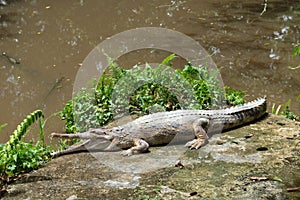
[179, 126]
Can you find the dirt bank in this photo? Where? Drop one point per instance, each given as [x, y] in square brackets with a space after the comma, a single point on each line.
[257, 161]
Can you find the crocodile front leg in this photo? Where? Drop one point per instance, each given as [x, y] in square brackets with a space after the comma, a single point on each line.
[141, 146]
[200, 127]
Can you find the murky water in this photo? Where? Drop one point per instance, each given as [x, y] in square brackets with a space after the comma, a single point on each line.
[52, 38]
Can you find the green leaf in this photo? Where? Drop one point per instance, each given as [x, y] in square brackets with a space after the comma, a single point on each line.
[11, 167]
[296, 51]
[167, 60]
[277, 179]
[2, 126]
[15, 157]
[276, 110]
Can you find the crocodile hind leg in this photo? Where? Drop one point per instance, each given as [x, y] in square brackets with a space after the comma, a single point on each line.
[200, 127]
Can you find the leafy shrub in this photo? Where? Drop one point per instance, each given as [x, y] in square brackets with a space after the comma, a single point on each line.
[18, 157]
[286, 112]
[23, 158]
[205, 85]
[143, 90]
[234, 97]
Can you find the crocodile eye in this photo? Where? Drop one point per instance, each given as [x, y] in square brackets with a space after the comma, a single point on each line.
[117, 129]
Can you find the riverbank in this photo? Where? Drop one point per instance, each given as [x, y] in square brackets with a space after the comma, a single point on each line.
[257, 161]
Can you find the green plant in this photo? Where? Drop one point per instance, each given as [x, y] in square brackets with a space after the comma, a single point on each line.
[22, 129]
[18, 157]
[78, 111]
[85, 109]
[276, 110]
[296, 52]
[234, 97]
[205, 85]
[67, 115]
[143, 90]
[2, 126]
[286, 112]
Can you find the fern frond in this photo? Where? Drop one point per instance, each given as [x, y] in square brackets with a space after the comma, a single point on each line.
[22, 128]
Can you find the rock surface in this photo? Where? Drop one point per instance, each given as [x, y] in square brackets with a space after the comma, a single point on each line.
[257, 161]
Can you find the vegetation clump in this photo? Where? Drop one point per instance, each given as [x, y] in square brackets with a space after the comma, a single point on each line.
[144, 90]
[285, 112]
[18, 157]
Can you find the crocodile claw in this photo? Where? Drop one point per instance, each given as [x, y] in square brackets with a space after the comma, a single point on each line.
[127, 152]
[195, 144]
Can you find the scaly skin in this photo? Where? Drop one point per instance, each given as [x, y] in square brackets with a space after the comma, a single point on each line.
[165, 127]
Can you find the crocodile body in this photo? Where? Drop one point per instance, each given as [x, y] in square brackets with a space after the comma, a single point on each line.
[191, 126]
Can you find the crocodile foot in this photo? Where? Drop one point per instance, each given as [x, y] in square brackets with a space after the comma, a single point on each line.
[141, 146]
[195, 144]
